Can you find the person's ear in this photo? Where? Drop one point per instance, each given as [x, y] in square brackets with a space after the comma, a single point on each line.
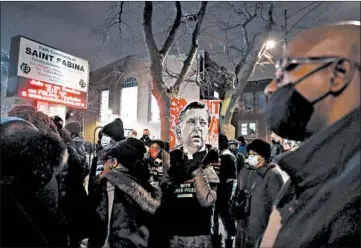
[343, 72]
[114, 162]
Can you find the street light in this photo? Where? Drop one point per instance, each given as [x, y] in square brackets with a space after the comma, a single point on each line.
[270, 44]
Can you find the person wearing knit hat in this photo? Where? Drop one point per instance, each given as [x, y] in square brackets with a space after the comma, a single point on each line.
[109, 136]
[114, 130]
[262, 150]
[263, 181]
[74, 128]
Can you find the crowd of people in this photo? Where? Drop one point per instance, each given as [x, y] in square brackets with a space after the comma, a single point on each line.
[142, 194]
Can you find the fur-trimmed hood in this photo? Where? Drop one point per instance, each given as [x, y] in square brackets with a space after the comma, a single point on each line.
[146, 200]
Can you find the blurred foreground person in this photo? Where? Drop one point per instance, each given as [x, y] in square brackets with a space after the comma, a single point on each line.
[29, 191]
[261, 182]
[316, 97]
[128, 200]
[40, 120]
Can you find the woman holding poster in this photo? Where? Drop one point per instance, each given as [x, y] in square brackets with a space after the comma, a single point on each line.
[192, 182]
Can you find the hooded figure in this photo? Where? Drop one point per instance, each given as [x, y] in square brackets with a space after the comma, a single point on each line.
[29, 191]
[128, 200]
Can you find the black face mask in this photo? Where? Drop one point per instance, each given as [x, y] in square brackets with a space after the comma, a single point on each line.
[287, 113]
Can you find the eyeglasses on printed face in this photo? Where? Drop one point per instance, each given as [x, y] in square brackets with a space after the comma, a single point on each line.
[286, 64]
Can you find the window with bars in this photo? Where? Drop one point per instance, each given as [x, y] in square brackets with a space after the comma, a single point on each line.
[129, 100]
[249, 129]
[130, 82]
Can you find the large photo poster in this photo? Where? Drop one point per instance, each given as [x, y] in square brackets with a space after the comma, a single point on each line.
[186, 117]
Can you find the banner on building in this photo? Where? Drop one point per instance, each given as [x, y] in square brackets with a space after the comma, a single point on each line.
[182, 124]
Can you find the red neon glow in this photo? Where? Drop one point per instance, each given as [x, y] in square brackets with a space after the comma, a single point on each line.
[52, 93]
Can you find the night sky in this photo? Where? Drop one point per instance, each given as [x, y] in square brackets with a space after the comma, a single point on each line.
[77, 28]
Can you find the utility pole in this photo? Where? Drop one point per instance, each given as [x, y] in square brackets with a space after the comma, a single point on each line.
[285, 38]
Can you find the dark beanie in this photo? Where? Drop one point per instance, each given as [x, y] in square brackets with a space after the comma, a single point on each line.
[114, 130]
[73, 127]
[261, 147]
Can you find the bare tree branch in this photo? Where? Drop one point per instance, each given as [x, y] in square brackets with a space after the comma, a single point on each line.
[194, 47]
[121, 4]
[171, 36]
[148, 32]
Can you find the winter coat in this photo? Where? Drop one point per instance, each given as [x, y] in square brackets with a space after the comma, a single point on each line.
[73, 199]
[131, 215]
[320, 204]
[79, 145]
[159, 173]
[266, 182]
[227, 177]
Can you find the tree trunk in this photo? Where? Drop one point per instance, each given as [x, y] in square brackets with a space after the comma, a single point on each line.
[164, 110]
[230, 99]
[163, 101]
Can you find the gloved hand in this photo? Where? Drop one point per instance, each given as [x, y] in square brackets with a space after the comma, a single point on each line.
[211, 157]
[192, 165]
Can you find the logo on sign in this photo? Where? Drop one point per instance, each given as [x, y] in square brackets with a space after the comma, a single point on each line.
[82, 83]
[24, 67]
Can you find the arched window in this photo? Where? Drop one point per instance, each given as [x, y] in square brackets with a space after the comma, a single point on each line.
[129, 100]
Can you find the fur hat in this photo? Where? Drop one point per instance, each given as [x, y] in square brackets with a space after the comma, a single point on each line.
[261, 147]
[114, 130]
[73, 127]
